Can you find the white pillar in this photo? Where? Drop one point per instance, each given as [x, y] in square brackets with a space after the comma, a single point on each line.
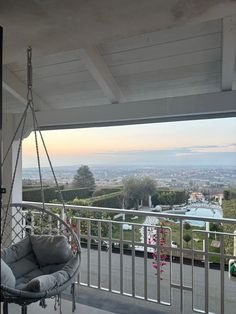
[235, 243]
[9, 164]
[9, 127]
[149, 201]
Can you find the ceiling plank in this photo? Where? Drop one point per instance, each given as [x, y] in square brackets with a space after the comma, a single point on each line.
[101, 73]
[198, 57]
[18, 89]
[228, 52]
[160, 37]
[170, 49]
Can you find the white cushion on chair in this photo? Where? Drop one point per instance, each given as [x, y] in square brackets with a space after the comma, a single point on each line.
[7, 277]
[51, 249]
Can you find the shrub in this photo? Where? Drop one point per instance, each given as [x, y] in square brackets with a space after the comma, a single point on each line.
[165, 197]
[51, 193]
[187, 226]
[34, 195]
[71, 194]
[112, 200]
[103, 191]
[187, 238]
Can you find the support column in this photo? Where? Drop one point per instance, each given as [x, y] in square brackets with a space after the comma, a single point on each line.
[9, 127]
[12, 227]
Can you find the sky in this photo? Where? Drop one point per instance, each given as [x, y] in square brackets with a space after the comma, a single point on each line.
[199, 142]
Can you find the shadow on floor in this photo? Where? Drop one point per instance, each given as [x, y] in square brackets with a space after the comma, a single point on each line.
[110, 302]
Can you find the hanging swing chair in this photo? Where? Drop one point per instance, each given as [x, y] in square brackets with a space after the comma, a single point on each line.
[41, 253]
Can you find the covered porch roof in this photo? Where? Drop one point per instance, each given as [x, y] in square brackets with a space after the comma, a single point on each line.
[120, 62]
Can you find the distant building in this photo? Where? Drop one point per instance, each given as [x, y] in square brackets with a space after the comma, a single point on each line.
[219, 198]
[196, 197]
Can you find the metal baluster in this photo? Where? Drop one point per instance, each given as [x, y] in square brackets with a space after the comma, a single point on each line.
[79, 237]
[181, 267]
[206, 257]
[222, 278]
[170, 241]
[88, 251]
[121, 260]
[110, 251]
[99, 254]
[145, 261]
[158, 248]
[133, 263]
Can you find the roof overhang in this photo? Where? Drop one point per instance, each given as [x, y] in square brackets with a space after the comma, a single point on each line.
[111, 64]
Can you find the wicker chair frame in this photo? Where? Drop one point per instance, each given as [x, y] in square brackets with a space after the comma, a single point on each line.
[21, 221]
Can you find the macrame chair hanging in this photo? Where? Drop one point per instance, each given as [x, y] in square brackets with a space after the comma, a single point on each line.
[41, 253]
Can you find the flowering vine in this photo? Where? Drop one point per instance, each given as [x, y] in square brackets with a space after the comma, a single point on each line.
[159, 263]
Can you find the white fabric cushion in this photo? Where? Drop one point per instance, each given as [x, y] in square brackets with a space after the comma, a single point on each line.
[17, 251]
[7, 276]
[51, 249]
[47, 282]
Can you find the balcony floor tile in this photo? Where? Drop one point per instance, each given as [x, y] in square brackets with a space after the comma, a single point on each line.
[66, 309]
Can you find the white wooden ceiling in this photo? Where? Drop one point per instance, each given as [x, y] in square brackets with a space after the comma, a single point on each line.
[191, 59]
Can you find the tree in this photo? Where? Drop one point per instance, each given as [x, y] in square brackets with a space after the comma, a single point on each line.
[187, 237]
[227, 195]
[148, 186]
[136, 189]
[187, 226]
[84, 178]
[132, 191]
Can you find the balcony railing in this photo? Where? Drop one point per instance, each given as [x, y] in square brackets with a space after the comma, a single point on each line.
[152, 261]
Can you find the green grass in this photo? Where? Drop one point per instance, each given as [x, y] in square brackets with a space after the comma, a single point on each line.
[229, 209]
[127, 234]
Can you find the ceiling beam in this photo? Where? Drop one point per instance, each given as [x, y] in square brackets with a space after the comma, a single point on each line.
[102, 75]
[18, 89]
[228, 52]
[202, 106]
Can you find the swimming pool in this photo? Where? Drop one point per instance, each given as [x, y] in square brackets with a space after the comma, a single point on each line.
[215, 212]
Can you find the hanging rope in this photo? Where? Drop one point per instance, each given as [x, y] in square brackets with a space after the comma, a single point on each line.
[31, 104]
[51, 167]
[36, 128]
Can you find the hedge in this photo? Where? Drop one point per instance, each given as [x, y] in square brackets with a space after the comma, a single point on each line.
[230, 194]
[33, 187]
[170, 197]
[112, 200]
[34, 195]
[107, 190]
[51, 193]
[71, 194]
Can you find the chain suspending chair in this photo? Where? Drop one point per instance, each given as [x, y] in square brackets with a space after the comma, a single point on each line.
[40, 251]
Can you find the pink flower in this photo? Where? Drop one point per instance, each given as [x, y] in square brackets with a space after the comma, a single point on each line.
[154, 255]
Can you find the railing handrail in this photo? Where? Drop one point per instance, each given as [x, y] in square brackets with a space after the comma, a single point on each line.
[134, 212]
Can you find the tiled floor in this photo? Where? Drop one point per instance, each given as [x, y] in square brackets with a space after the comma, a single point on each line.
[66, 309]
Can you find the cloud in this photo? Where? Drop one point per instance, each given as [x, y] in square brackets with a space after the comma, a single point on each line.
[219, 149]
[209, 155]
[204, 155]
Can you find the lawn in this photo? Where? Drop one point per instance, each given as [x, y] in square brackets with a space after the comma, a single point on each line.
[127, 234]
[229, 209]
